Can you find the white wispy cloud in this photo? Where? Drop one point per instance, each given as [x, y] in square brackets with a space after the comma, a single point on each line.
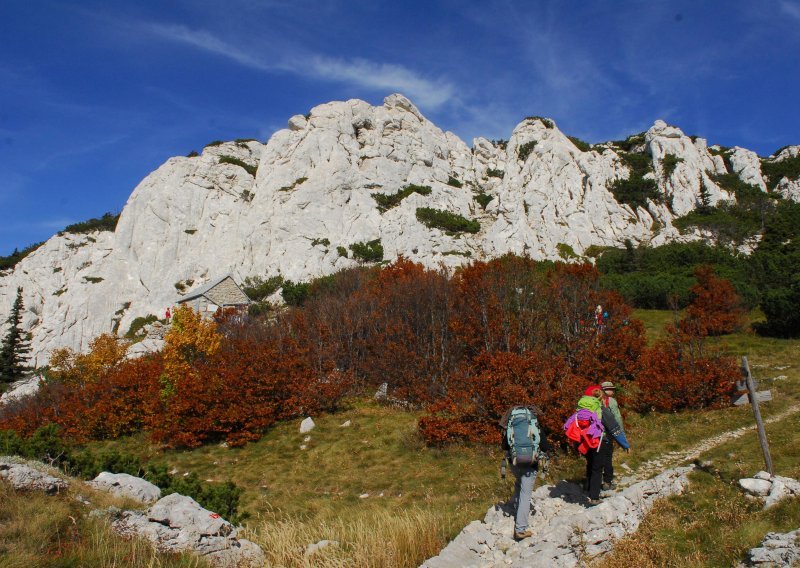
[791, 8]
[376, 76]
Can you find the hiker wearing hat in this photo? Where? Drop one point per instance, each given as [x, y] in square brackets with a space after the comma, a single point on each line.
[592, 401]
[607, 447]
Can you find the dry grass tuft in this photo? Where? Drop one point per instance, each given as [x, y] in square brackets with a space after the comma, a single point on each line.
[380, 539]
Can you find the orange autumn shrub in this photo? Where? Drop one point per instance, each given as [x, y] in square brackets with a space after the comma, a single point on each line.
[481, 395]
[716, 307]
[681, 372]
[105, 352]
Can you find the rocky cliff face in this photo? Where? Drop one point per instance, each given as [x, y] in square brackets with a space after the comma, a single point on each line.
[286, 207]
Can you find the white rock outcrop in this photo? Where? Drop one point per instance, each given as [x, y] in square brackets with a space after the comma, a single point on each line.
[307, 425]
[776, 550]
[124, 485]
[21, 389]
[177, 523]
[566, 533]
[290, 206]
[773, 488]
[25, 477]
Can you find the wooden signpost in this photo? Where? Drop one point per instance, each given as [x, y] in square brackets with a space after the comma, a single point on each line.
[755, 397]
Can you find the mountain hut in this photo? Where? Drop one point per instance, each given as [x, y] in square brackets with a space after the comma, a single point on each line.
[221, 293]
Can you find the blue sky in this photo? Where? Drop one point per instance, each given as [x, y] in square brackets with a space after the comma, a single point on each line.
[96, 94]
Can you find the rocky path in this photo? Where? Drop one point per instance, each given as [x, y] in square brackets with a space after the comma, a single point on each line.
[568, 532]
[671, 459]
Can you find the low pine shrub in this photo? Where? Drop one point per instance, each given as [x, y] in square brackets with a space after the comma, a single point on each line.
[580, 144]
[446, 221]
[454, 182]
[525, 150]
[108, 222]
[388, 201]
[483, 199]
[371, 251]
[237, 162]
[138, 323]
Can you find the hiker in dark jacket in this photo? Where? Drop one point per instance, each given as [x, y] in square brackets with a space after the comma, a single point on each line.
[525, 477]
[607, 446]
[611, 429]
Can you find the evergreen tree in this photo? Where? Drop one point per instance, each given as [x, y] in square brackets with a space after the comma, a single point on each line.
[15, 347]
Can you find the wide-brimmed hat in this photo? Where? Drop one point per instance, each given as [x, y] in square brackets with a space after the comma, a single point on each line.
[608, 385]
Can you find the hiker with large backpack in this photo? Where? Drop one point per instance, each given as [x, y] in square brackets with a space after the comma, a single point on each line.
[607, 446]
[591, 423]
[526, 446]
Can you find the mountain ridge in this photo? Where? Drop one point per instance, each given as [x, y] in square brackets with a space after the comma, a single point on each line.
[296, 205]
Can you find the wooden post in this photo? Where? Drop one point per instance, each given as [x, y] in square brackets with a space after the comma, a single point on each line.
[762, 435]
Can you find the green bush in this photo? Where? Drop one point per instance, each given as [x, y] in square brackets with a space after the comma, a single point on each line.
[630, 142]
[669, 162]
[635, 191]
[324, 242]
[454, 182]
[387, 201]
[192, 154]
[546, 121]
[776, 171]
[371, 251]
[566, 252]
[495, 173]
[138, 323]
[237, 162]
[525, 150]
[93, 279]
[483, 199]
[108, 222]
[501, 143]
[580, 144]
[294, 294]
[214, 143]
[446, 221]
[258, 288]
[10, 261]
[341, 251]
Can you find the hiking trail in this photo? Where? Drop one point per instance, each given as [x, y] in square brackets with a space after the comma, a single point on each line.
[568, 533]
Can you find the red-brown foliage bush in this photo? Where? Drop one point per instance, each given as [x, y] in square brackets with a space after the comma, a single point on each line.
[716, 307]
[113, 405]
[480, 395]
[680, 372]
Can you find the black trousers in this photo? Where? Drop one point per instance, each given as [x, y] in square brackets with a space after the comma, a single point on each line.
[607, 459]
[594, 473]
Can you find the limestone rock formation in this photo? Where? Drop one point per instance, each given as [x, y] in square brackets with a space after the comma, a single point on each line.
[295, 205]
[776, 550]
[566, 532]
[772, 488]
[177, 523]
[124, 485]
[25, 477]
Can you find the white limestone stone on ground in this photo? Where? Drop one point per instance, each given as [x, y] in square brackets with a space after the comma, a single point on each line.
[776, 551]
[24, 476]
[758, 487]
[125, 485]
[177, 523]
[307, 425]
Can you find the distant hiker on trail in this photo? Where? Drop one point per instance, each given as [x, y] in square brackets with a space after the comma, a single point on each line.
[586, 429]
[600, 319]
[526, 444]
[168, 315]
[607, 447]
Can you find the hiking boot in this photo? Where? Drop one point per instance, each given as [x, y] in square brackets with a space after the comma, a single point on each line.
[610, 486]
[593, 502]
[519, 535]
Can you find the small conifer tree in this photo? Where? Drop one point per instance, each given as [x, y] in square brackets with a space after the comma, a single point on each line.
[15, 347]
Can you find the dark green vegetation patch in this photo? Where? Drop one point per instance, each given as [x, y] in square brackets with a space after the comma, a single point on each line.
[446, 221]
[237, 162]
[108, 222]
[387, 201]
